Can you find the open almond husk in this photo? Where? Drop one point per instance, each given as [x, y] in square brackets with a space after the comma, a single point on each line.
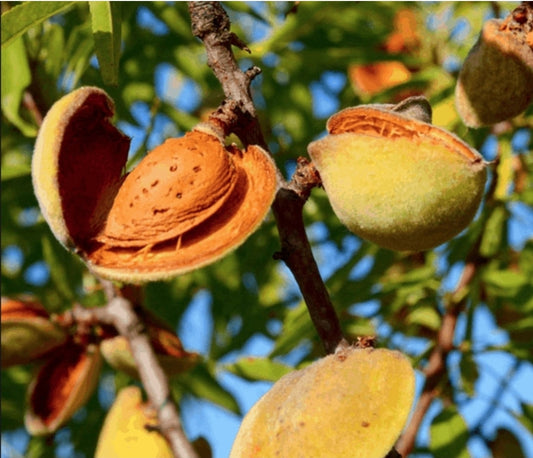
[396, 180]
[62, 385]
[187, 203]
[27, 333]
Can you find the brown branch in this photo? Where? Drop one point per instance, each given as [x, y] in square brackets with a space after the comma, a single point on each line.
[436, 369]
[120, 314]
[237, 114]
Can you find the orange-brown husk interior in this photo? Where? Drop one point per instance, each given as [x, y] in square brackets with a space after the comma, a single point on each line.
[57, 380]
[13, 309]
[241, 213]
[381, 123]
[92, 157]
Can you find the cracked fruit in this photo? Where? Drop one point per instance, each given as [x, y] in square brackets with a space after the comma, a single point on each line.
[496, 80]
[130, 429]
[353, 404]
[189, 202]
[62, 385]
[396, 180]
[27, 332]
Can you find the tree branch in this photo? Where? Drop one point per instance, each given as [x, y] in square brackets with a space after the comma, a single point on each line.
[237, 114]
[436, 368]
[120, 314]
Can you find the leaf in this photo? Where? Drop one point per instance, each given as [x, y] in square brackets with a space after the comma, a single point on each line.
[252, 368]
[506, 445]
[527, 416]
[79, 48]
[200, 382]
[16, 77]
[106, 26]
[469, 373]
[493, 234]
[504, 171]
[297, 326]
[449, 435]
[28, 14]
[425, 316]
[504, 283]
[64, 268]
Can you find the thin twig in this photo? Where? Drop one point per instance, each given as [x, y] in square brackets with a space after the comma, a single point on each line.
[120, 314]
[237, 114]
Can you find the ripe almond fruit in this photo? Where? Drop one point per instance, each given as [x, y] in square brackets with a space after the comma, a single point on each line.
[187, 203]
[62, 385]
[27, 332]
[130, 429]
[396, 180]
[352, 404]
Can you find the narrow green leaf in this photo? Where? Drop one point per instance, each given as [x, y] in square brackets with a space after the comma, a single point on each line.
[296, 328]
[201, 383]
[425, 316]
[106, 24]
[449, 435]
[469, 373]
[505, 283]
[16, 77]
[28, 14]
[527, 416]
[493, 234]
[253, 368]
[65, 271]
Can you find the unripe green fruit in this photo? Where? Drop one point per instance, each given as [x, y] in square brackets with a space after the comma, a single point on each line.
[397, 181]
[352, 404]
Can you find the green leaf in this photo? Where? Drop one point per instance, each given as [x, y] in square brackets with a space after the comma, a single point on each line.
[505, 283]
[200, 382]
[493, 234]
[297, 327]
[16, 77]
[28, 14]
[65, 271]
[527, 416]
[425, 316]
[469, 373]
[79, 48]
[106, 25]
[449, 435]
[253, 368]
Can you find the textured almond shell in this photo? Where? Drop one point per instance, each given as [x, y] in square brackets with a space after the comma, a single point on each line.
[156, 222]
[353, 404]
[496, 80]
[62, 385]
[77, 165]
[124, 433]
[400, 183]
[174, 188]
[27, 332]
[242, 212]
